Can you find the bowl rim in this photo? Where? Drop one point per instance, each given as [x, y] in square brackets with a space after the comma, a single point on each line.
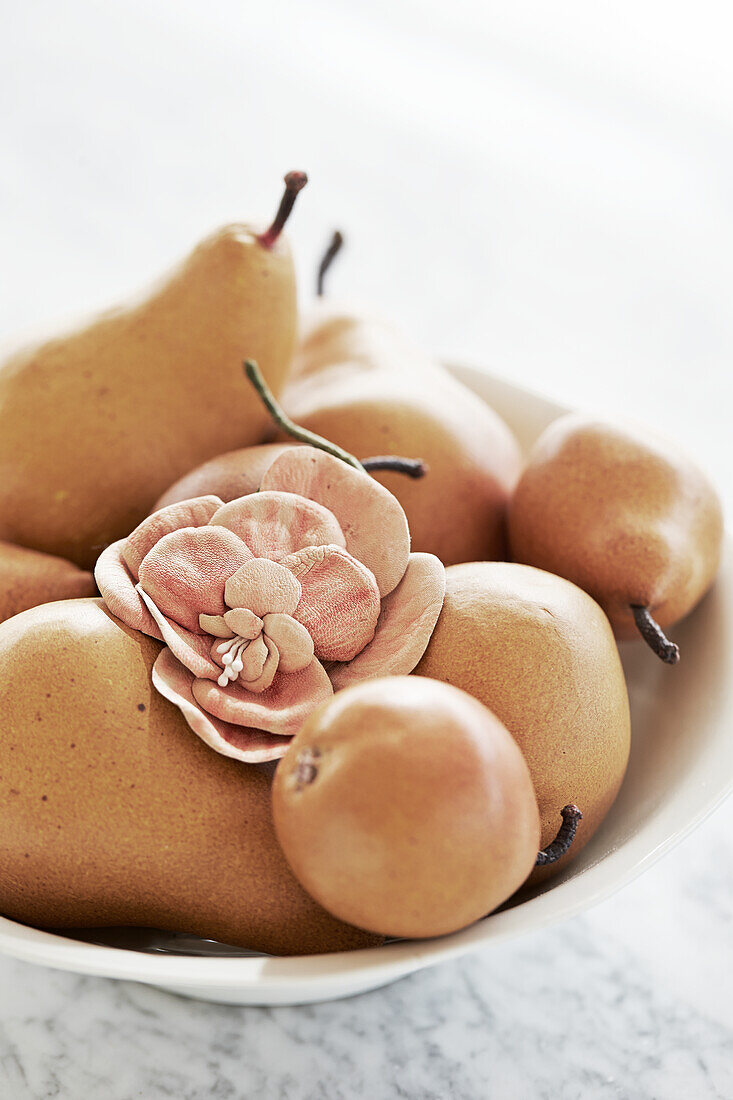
[564, 900]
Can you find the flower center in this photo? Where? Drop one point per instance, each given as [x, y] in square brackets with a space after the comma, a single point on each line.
[231, 656]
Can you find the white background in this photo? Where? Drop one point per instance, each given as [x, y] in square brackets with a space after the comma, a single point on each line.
[546, 189]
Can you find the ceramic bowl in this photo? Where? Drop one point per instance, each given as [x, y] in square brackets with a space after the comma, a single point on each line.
[681, 768]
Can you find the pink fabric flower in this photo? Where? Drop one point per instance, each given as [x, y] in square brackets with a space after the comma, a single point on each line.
[269, 603]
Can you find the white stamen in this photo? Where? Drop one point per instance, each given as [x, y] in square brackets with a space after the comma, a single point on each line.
[232, 650]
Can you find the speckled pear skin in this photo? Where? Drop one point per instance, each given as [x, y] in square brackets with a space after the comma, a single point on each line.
[418, 817]
[233, 474]
[114, 813]
[97, 423]
[357, 383]
[28, 578]
[621, 513]
[540, 653]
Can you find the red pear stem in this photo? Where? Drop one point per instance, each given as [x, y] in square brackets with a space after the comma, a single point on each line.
[571, 815]
[410, 467]
[654, 636]
[294, 183]
[334, 247]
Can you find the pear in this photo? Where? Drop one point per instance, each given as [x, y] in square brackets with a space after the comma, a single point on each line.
[540, 653]
[115, 813]
[405, 807]
[625, 515]
[97, 423]
[228, 476]
[357, 383]
[28, 578]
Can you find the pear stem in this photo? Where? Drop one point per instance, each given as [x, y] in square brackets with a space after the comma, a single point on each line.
[571, 815]
[329, 256]
[410, 467]
[294, 183]
[283, 420]
[654, 636]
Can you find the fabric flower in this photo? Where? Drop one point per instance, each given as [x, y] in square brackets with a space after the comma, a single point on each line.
[269, 603]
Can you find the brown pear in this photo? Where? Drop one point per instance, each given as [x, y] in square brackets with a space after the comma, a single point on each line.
[28, 578]
[540, 653]
[96, 423]
[623, 514]
[114, 813]
[358, 384]
[405, 807]
[228, 476]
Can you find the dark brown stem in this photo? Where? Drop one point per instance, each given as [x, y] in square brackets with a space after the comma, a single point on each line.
[329, 256]
[654, 636]
[283, 421]
[294, 183]
[410, 467]
[571, 815]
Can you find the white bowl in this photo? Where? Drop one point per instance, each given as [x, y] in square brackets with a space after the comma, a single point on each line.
[681, 768]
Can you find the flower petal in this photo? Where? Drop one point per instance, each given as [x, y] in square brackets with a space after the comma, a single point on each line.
[117, 585]
[253, 659]
[263, 587]
[244, 622]
[340, 602]
[281, 709]
[293, 642]
[192, 650]
[276, 524]
[185, 572]
[253, 746]
[408, 618]
[215, 625]
[187, 513]
[268, 668]
[372, 519]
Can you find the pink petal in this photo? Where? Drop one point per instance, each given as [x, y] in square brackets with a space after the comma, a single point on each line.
[263, 587]
[192, 650]
[293, 642]
[260, 683]
[254, 658]
[340, 602]
[244, 622]
[407, 621]
[281, 709]
[276, 524]
[372, 519]
[215, 625]
[188, 513]
[185, 572]
[117, 585]
[252, 746]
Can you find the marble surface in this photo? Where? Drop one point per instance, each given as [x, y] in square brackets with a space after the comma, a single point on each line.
[521, 186]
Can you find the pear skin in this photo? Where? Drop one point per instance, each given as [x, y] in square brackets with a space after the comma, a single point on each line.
[358, 384]
[228, 476]
[540, 653]
[622, 513]
[28, 578]
[115, 813]
[406, 807]
[97, 423]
